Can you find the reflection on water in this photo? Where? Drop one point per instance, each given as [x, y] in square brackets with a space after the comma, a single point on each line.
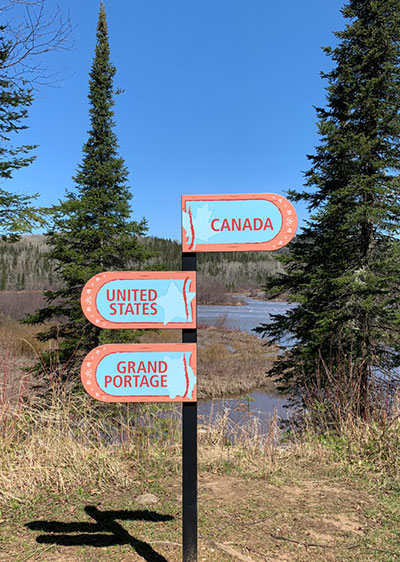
[244, 318]
[260, 404]
[242, 411]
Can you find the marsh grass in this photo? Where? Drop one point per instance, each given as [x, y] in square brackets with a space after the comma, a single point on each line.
[232, 362]
[19, 339]
[70, 442]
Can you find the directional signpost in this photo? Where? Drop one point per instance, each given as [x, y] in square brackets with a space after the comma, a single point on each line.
[137, 300]
[223, 223]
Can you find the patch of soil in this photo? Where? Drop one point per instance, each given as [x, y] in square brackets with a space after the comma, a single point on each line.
[239, 519]
[285, 522]
[229, 489]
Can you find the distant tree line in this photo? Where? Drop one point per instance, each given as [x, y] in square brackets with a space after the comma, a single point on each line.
[25, 265]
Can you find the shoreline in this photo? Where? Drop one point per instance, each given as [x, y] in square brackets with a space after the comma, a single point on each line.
[240, 302]
[230, 362]
[266, 389]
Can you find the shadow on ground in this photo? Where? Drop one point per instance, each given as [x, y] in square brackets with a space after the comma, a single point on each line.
[105, 532]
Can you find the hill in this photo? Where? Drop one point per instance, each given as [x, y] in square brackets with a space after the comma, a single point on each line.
[25, 266]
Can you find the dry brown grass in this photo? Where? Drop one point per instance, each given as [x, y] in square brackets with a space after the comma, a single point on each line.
[19, 339]
[19, 350]
[65, 443]
[246, 446]
[72, 443]
[56, 447]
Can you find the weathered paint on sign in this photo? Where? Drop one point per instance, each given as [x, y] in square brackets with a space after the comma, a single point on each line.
[141, 373]
[235, 223]
[141, 299]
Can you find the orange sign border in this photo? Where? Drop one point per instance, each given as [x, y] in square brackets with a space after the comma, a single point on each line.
[95, 283]
[283, 237]
[92, 360]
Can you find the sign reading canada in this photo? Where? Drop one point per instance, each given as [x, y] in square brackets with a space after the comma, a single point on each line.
[232, 223]
[141, 373]
[131, 299]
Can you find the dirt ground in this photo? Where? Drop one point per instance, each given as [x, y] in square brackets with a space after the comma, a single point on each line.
[240, 519]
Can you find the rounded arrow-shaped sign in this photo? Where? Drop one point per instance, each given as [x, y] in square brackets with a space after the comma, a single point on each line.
[141, 373]
[235, 223]
[141, 299]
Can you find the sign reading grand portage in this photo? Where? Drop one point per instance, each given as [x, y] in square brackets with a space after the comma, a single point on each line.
[141, 373]
[133, 299]
[232, 223]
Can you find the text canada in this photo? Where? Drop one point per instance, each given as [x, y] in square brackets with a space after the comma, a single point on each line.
[219, 225]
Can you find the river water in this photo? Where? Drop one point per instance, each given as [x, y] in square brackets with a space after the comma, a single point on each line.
[259, 406]
[245, 317]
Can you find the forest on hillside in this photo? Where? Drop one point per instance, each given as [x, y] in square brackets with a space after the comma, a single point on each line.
[24, 265]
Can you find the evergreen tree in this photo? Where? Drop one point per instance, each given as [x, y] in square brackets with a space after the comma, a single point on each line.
[344, 268]
[92, 230]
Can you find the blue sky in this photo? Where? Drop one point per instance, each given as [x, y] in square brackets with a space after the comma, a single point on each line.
[218, 98]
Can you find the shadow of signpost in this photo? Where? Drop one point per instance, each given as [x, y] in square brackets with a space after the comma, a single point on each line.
[105, 532]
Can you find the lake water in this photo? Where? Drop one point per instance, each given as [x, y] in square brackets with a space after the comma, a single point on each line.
[245, 317]
[259, 405]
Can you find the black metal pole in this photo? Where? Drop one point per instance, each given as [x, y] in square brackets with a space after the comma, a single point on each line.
[189, 450]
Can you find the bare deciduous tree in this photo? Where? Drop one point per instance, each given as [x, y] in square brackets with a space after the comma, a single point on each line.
[29, 29]
[33, 28]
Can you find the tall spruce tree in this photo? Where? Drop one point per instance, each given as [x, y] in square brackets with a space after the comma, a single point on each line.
[344, 267]
[92, 230]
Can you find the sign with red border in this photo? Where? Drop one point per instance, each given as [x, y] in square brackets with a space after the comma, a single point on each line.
[141, 299]
[141, 373]
[237, 223]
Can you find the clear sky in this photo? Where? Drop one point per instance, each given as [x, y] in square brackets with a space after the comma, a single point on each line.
[219, 98]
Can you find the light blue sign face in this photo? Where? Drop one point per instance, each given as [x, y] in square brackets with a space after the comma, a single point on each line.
[155, 301]
[231, 222]
[147, 374]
